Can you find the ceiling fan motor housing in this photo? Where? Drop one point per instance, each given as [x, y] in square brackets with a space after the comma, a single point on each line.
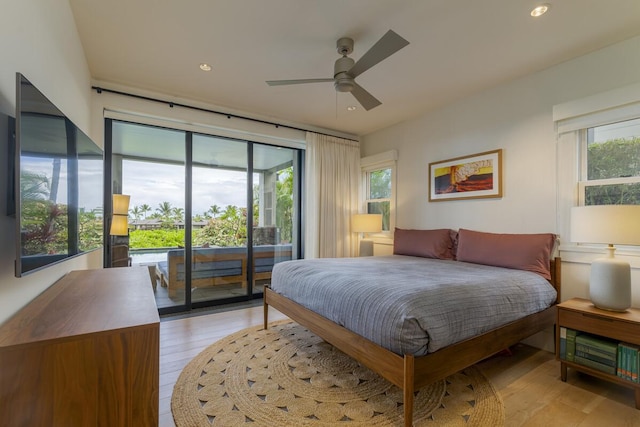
[344, 46]
[343, 82]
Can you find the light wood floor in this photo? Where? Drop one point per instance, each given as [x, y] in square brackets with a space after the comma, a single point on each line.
[528, 380]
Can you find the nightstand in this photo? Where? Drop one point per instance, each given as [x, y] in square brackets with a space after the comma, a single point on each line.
[581, 315]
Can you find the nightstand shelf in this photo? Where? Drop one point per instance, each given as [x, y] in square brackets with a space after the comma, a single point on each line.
[581, 315]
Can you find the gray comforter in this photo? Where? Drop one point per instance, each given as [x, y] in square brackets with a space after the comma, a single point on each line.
[412, 305]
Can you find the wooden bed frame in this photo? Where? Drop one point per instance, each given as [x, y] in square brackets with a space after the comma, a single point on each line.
[408, 372]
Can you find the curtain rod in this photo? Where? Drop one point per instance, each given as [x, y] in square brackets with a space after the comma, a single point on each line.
[172, 104]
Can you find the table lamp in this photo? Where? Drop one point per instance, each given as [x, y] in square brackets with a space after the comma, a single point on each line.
[119, 220]
[366, 223]
[610, 280]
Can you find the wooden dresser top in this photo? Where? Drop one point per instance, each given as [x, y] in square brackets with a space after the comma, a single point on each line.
[85, 302]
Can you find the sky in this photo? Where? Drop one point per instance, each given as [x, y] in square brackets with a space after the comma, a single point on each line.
[152, 184]
[626, 129]
[90, 182]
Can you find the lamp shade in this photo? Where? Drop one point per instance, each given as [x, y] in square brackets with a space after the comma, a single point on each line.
[366, 223]
[121, 204]
[119, 225]
[610, 224]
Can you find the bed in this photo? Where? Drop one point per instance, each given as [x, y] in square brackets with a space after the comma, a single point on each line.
[421, 257]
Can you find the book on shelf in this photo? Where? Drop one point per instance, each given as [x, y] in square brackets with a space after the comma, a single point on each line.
[571, 344]
[597, 345]
[609, 361]
[621, 365]
[607, 354]
[629, 360]
[635, 363]
[625, 361]
[595, 365]
[563, 343]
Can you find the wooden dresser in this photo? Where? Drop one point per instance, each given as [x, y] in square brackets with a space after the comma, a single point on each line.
[85, 352]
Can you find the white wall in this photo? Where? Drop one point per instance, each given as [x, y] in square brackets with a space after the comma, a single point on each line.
[516, 117]
[39, 39]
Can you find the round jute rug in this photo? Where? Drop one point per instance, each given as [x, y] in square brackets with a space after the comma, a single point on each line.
[287, 376]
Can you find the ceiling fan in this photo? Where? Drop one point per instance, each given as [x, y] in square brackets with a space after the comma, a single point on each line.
[346, 69]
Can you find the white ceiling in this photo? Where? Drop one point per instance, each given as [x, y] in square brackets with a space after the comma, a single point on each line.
[457, 48]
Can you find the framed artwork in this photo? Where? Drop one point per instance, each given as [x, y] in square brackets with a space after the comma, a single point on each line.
[468, 177]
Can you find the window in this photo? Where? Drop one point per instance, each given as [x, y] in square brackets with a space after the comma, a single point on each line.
[378, 173]
[610, 164]
[378, 199]
[598, 161]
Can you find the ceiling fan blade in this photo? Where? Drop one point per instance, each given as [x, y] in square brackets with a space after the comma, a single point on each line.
[367, 100]
[389, 44]
[295, 82]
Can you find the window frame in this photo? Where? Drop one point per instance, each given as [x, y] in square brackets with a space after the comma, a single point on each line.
[386, 160]
[583, 181]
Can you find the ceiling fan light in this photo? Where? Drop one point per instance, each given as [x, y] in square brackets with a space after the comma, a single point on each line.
[344, 85]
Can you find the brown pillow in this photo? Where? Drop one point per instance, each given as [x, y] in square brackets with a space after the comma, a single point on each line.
[530, 252]
[423, 243]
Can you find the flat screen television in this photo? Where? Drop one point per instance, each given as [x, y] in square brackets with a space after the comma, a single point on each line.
[58, 178]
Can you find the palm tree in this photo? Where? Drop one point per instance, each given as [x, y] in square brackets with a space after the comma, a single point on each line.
[214, 210]
[145, 208]
[164, 209]
[136, 212]
[178, 213]
[34, 186]
[55, 180]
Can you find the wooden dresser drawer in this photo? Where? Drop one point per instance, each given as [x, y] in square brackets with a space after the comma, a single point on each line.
[603, 325]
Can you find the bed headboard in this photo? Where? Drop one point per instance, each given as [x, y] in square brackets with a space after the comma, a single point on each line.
[556, 276]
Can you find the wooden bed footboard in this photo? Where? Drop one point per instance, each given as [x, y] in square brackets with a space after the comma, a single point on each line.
[408, 372]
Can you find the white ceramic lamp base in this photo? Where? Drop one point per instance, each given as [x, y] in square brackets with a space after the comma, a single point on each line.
[610, 284]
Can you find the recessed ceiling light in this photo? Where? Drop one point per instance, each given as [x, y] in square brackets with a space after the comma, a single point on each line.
[351, 108]
[205, 67]
[540, 10]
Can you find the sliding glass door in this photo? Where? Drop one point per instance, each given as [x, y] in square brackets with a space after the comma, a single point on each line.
[148, 164]
[220, 218]
[196, 202]
[275, 210]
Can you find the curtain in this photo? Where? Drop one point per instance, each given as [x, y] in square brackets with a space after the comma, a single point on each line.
[332, 174]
